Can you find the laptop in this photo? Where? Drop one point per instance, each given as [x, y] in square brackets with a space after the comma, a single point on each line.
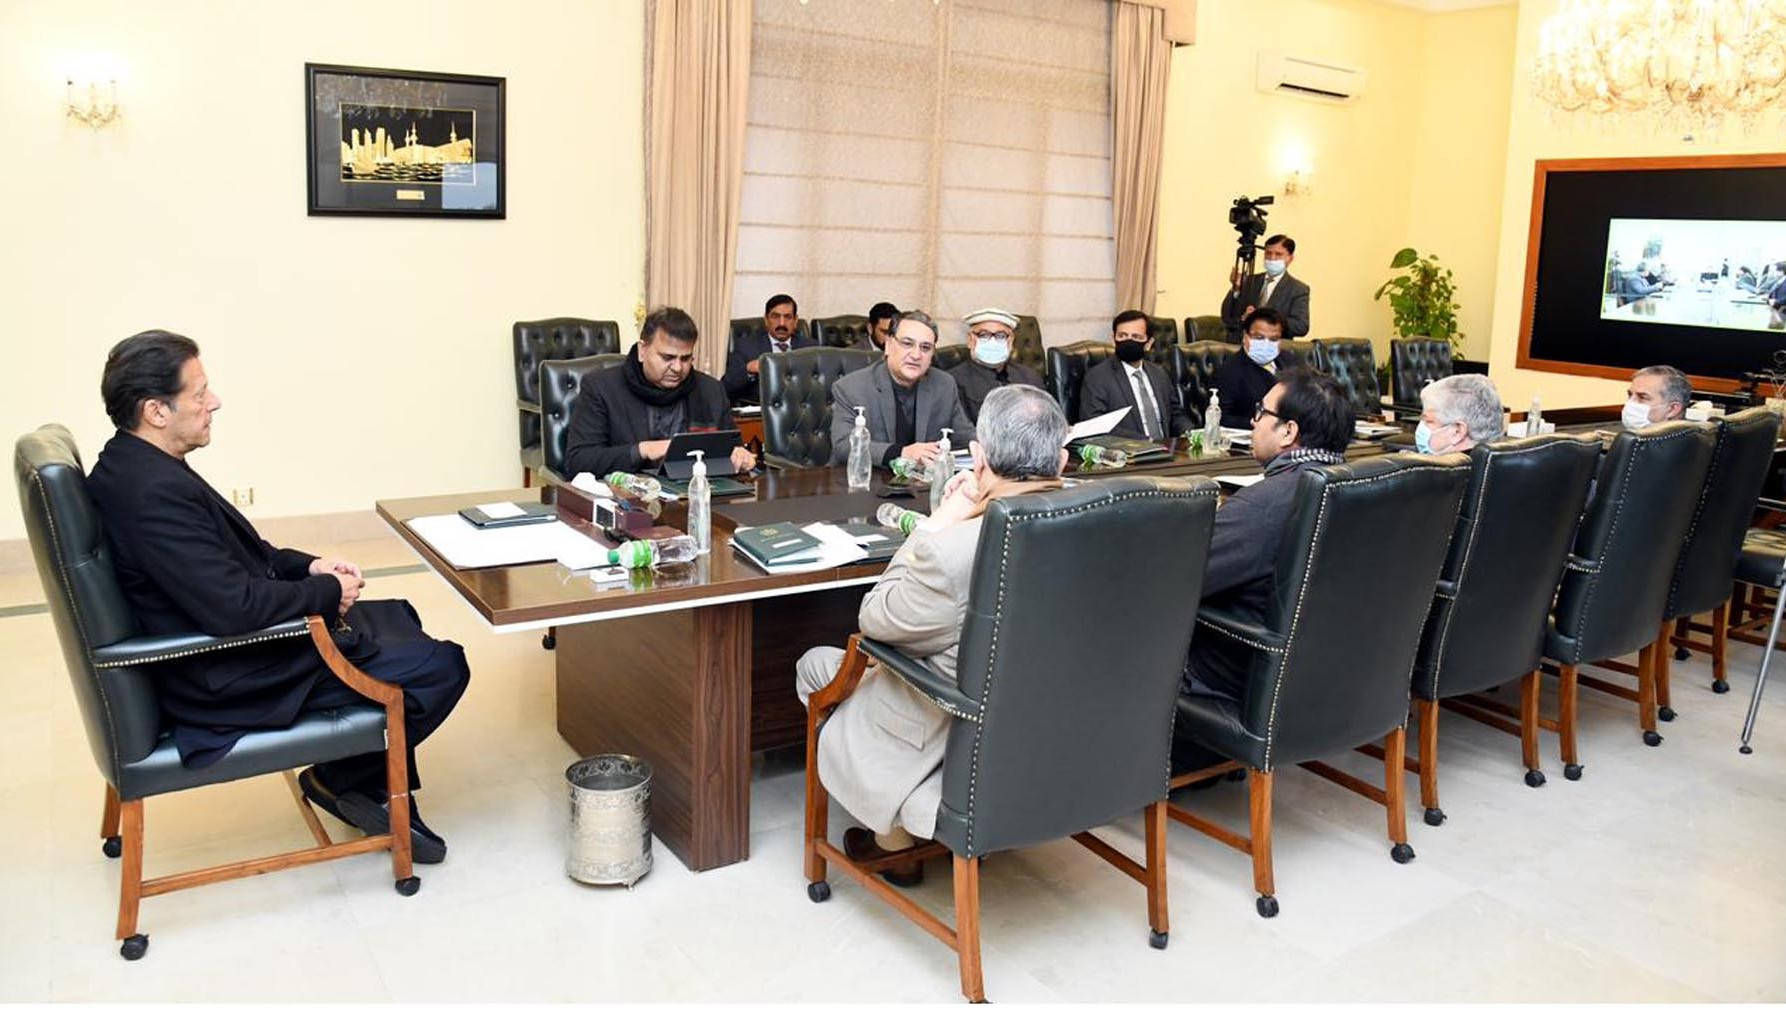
[717, 449]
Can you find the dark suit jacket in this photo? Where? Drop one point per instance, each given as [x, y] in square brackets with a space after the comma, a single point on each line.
[608, 421]
[1289, 299]
[938, 408]
[975, 381]
[1106, 387]
[1241, 383]
[187, 560]
[740, 384]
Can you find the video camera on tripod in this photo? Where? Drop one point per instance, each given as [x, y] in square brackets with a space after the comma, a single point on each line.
[1247, 215]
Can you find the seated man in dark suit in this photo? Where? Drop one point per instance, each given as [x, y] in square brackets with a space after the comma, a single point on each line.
[187, 561]
[1128, 379]
[780, 332]
[989, 364]
[882, 316]
[1305, 421]
[907, 403]
[624, 417]
[1242, 380]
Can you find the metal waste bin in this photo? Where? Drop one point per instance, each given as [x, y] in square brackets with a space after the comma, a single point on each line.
[610, 827]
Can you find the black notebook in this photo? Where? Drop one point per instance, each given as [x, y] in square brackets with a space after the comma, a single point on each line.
[528, 513]
[1137, 449]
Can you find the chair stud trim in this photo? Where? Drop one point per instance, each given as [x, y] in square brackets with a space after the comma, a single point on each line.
[205, 648]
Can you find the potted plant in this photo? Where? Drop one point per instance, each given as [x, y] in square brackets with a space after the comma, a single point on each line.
[1423, 298]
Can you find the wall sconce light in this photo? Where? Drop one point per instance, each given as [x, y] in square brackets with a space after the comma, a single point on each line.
[99, 106]
[1298, 184]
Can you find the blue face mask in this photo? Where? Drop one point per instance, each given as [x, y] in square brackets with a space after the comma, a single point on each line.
[1423, 438]
[1276, 267]
[1261, 350]
[992, 353]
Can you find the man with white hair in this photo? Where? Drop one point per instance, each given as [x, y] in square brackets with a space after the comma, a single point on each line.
[1658, 393]
[989, 365]
[1458, 412]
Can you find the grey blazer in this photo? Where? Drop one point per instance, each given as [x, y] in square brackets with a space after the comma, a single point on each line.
[1289, 299]
[939, 408]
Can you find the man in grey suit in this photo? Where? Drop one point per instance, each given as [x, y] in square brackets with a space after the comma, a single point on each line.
[1274, 289]
[908, 403]
[881, 751]
[1128, 379]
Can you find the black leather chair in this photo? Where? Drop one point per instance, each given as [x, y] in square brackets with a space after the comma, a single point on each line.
[539, 341]
[1026, 344]
[845, 331]
[1193, 375]
[1763, 564]
[948, 356]
[1317, 686]
[561, 380]
[1413, 363]
[1205, 328]
[1307, 352]
[1492, 602]
[1164, 332]
[797, 402]
[110, 663]
[745, 325]
[1066, 371]
[1051, 738]
[1353, 365]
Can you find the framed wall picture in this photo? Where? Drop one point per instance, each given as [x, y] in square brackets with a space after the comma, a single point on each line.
[404, 143]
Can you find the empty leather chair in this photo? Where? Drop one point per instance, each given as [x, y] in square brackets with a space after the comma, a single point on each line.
[797, 401]
[1164, 332]
[845, 331]
[1026, 344]
[1205, 328]
[948, 356]
[1052, 739]
[561, 380]
[1066, 371]
[1492, 602]
[1413, 363]
[1193, 375]
[112, 667]
[539, 341]
[1318, 684]
[1307, 354]
[1353, 365]
[1763, 564]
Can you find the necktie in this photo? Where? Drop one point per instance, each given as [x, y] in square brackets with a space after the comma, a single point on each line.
[781, 346]
[1150, 412]
[1265, 292]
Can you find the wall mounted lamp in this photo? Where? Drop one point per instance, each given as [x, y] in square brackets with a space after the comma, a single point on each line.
[95, 108]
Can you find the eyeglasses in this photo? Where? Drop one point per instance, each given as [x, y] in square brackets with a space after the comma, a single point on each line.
[1261, 411]
[908, 345]
[988, 335]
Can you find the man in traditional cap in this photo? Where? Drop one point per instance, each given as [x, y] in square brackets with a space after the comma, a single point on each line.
[989, 365]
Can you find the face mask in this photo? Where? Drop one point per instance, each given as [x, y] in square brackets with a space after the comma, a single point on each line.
[993, 353]
[1276, 267]
[1423, 438]
[1635, 416]
[1260, 350]
[1131, 351]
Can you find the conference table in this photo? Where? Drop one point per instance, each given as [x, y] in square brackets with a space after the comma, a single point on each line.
[692, 667]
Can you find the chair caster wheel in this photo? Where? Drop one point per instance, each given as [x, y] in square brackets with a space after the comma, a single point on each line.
[1652, 739]
[818, 892]
[1267, 906]
[1682, 653]
[549, 641]
[134, 947]
[1401, 853]
[113, 846]
[1534, 778]
[1435, 816]
[1572, 771]
[1720, 686]
[1235, 776]
[1745, 750]
[1665, 713]
[408, 886]
[1157, 939]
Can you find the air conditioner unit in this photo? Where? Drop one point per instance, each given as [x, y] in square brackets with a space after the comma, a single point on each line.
[1295, 75]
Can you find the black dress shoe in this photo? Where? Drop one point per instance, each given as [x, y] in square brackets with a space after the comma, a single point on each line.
[318, 793]
[860, 845]
[373, 817]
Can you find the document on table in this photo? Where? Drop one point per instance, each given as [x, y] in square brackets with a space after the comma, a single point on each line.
[1096, 426]
[1238, 437]
[837, 547]
[1239, 480]
[466, 547]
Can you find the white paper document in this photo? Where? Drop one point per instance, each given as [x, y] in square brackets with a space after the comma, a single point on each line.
[500, 510]
[1239, 480]
[466, 547]
[1370, 429]
[1096, 426]
[1239, 437]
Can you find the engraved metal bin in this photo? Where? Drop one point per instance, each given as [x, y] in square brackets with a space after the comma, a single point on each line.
[610, 826]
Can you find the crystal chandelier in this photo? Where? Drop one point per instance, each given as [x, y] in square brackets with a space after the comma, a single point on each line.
[1684, 62]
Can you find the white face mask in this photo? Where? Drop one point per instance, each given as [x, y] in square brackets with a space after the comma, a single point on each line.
[1635, 416]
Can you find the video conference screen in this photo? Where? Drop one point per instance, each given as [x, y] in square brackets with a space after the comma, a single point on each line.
[1678, 266]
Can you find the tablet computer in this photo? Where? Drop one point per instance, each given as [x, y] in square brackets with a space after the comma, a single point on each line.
[717, 447]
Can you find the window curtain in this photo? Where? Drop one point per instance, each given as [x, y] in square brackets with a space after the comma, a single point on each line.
[1140, 64]
[697, 90]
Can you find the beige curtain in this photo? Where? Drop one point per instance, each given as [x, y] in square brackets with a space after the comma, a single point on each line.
[697, 86]
[1140, 61]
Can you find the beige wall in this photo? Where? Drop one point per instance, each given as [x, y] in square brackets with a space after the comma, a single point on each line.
[1534, 135]
[357, 358]
[1414, 161]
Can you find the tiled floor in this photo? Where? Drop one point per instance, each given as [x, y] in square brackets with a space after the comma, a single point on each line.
[1660, 876]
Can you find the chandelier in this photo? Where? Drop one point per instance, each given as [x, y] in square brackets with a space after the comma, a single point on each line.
[1684, 62]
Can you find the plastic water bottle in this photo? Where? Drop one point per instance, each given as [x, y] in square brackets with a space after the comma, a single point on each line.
[941, 470]
[1213, 440]
[902, 467]
[1102, 456]
[901, 520]
[1535, 418]
[700, 505]
[642, 485]
[659, 552]
[859, 464]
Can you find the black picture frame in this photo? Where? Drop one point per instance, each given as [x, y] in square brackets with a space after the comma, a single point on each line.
[404, 143]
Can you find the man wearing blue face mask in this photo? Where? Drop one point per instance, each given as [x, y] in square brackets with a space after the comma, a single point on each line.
[1458, 412]
[1274, 289]
[989, 365]
[1243, 379]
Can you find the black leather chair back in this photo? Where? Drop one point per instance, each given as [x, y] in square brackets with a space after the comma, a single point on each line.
[1066, 371]
[845, 331]
[539, 341]
[796, 389]
[1616, 584]
[1026, 344]
[948, 356]
[1164, 331]
[747, 325]
[560, 382]
[1413, 363]
[1204, 328]
[1349, 608]
[1308, 354]
[1353, 365]
[1076, 698]
[118, 705]
[1513, 534]
[1193, 374]
[1741, 457]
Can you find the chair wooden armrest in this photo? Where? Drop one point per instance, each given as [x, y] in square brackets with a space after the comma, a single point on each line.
[379, 692]
[849, 675]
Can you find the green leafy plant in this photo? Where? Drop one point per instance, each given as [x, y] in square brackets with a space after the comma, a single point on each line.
[1423, 298]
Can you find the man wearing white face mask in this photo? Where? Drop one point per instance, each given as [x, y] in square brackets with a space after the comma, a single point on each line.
[1274, 289]
[1243, 379]
[989, 365]
[1659, 393]
[1456, 413]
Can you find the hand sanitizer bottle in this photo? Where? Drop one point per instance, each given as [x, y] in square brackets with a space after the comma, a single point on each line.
[941, 470]
[700, 505]
[859, 463]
